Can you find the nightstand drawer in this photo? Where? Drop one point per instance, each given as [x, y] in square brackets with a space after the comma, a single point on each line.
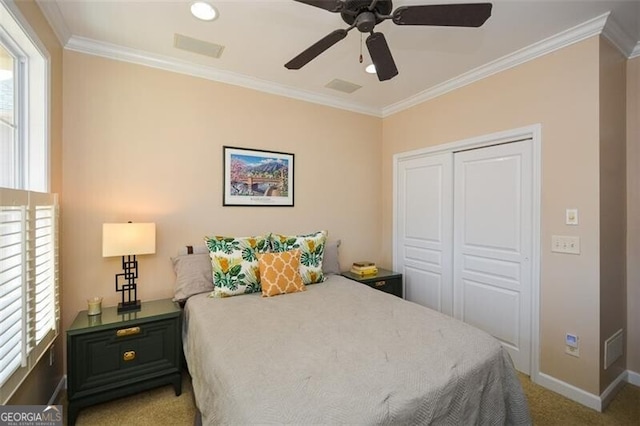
[109, 358]
[385, 280]
[393, 285]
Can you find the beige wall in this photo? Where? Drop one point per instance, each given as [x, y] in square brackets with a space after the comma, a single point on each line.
[143, 144]
[42, 382]
[612, 203]
[560, 91]
[633, 215]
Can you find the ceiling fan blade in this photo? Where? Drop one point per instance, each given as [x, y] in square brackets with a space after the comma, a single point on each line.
[330, 5]
[316, 49]
[446, 15]
[381, 56]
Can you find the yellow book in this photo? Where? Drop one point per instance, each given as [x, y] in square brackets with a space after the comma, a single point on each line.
[364, 271]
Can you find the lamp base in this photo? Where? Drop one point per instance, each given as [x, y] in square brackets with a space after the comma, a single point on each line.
[132, 306]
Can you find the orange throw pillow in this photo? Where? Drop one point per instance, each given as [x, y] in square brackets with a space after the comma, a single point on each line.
[279, 273]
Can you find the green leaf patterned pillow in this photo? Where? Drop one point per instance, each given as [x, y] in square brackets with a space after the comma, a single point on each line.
[311, 248]
[234, 262]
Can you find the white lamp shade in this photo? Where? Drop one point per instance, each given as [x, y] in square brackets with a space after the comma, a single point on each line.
[124, 239]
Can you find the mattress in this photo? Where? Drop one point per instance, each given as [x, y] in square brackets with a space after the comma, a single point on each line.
[342, 352]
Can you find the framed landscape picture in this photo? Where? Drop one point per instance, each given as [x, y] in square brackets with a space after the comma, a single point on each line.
[254, 177]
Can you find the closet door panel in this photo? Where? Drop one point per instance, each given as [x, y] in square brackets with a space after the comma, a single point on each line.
[493, 243]
[424, 239]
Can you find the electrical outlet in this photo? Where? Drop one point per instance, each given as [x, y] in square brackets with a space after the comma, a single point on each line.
[565, 244]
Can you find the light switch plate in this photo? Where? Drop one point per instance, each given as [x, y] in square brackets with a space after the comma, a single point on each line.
[565, 244]
[571, 217]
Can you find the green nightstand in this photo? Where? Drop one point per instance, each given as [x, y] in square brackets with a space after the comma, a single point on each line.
[110, 356]
[384, 280]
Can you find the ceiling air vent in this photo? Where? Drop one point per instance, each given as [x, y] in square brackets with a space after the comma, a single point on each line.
[342, 86]
[194, 45]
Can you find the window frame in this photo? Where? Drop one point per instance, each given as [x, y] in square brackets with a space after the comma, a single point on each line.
[19, 82]
[34, 130]
[34, 98]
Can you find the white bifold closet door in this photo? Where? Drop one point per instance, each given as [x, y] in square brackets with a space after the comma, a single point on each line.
[492, 244]
[464, 238]
[424, 230]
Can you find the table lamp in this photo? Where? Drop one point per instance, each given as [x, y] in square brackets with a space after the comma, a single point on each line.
[128, 240]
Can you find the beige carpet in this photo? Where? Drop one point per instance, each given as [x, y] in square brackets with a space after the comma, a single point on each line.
[549, 408]
[161, 407]
[155, 407]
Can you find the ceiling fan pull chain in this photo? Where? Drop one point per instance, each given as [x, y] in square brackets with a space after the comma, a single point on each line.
[360, 47]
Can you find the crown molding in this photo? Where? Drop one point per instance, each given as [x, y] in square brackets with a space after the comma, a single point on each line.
[568, 37]
[613, 32]
[30, 34]
[636, 51]
[53, 15]
[120, 53]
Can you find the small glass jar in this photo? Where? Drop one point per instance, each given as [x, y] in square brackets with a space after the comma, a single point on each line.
[95, 306]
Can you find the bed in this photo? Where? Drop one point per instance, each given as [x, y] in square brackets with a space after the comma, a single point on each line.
[342, 352]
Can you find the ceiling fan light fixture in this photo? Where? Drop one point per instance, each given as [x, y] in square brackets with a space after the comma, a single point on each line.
[370, 69]
[203, 10]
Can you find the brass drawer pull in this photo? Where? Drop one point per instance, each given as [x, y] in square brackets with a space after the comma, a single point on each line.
[128, 331]
[380, 283]
[129, 355]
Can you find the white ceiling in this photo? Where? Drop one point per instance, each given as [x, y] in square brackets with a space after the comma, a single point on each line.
[260, 36]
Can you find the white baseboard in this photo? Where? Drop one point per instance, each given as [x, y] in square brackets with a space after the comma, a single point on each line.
[61, 385]
[612, 390]
[585, 398]
[573, 393]
[633, 377]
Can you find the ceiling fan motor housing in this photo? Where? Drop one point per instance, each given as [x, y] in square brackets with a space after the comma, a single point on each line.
[358, 11]
[365, 22]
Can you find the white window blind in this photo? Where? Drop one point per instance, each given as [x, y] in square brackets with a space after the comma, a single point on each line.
[29, 295]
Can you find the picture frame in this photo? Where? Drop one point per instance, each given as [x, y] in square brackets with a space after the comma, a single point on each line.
[258, 178]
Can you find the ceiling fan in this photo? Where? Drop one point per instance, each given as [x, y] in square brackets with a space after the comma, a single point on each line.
[366, 14]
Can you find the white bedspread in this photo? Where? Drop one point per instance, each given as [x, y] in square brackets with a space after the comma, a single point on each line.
[342, 352]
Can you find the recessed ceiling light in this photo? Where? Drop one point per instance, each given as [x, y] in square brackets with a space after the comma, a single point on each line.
[203, 10]
[371, 69]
